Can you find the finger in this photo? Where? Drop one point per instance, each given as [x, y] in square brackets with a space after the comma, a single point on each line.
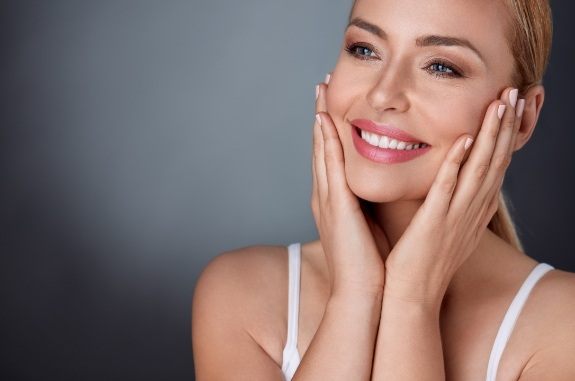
[320, 170]
[502, 153]
[320, 102]
[439, 197]
[333, 151]
[477, 166]
[314, 191]
[518, 119]
[334, 160]
[497, 182]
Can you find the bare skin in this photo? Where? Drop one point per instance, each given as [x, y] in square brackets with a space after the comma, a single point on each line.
[240, 303]
[470, 316]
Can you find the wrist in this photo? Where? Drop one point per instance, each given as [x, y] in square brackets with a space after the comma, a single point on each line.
[353, 288]
[410, 305]
[356, 292]
[424, 297]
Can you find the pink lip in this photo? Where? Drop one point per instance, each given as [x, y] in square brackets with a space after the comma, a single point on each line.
[384, 155]
[384, 129]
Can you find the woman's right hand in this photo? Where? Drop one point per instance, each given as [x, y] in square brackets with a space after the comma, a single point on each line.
[353, 245]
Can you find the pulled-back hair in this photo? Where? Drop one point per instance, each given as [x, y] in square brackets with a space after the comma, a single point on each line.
[530, 35]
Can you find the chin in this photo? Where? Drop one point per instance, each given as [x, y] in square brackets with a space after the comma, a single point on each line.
[369, 189]
[379, 190]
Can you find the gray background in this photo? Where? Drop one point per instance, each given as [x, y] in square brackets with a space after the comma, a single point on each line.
[138, 139]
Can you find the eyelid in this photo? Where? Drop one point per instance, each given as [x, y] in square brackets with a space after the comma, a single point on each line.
[457, 71]
[349, 46]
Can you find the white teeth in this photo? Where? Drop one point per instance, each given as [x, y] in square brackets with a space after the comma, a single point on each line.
[383, 142]
[387, 142]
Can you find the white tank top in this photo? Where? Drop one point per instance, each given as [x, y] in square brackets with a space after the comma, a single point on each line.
[291, 356]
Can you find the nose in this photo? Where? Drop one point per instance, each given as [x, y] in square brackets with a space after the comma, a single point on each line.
[388, 91]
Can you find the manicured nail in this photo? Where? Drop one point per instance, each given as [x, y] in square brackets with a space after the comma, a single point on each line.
[468, 143]
[316, 91]
[501, 111]
[327, 78]
[318, 118]
[520, 107]
[513, 97]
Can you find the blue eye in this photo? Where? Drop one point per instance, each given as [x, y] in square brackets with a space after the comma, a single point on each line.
[359, 51]
[441, 69]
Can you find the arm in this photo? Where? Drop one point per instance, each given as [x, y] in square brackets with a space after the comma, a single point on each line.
[409, 342]
[223, 347]
[440, 237]
[342, 348]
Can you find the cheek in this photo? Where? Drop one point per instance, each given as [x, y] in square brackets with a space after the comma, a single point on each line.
[339, 97]
[453, 117]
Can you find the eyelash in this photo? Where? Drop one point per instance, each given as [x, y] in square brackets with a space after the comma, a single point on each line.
[455, 73]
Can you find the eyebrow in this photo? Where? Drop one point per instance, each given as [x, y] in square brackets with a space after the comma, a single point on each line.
[430, 40]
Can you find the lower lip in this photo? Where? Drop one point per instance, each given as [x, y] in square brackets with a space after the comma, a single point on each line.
[383, 155]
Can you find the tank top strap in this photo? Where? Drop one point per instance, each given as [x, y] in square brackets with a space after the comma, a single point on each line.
[510, 318]
[290, 355]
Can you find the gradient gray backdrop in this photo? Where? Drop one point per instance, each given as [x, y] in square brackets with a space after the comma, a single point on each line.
[138, 139]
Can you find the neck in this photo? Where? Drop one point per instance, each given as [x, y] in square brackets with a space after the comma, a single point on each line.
[394, 218]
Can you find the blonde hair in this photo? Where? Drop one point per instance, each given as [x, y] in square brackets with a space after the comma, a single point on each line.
[530, 35]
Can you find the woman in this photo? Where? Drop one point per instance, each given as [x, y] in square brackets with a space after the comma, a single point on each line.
[418, 273]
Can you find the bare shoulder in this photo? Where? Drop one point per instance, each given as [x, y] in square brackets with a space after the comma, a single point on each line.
[554, 305]
[253, 277]
[554, 298]
[240, 294]
[244, 269]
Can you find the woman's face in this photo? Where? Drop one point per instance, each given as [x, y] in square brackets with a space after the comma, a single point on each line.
[412, 77]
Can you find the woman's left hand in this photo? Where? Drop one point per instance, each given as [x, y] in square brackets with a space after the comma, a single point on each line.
[453, 218]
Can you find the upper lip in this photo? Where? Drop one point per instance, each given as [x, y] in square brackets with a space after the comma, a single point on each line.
[384, 129]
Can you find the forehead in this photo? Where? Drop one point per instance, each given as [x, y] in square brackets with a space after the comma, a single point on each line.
[483, 22]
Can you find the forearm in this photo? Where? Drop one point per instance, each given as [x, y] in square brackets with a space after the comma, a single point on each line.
[343, 346]
[408, 344]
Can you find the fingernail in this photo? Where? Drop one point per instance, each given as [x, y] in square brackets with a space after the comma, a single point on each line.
[501, 111]
[513, 97]
[316, 91]
[468, 143]
[520, 107]
[327, 78]
[318, 118]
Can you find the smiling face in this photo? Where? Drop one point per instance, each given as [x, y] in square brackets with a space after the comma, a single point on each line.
[429, 68]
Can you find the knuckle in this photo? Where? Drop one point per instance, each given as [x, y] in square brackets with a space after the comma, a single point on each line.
[493, 207]
[314, 210]
[447, 186]
[316, 147]
[457, 160]
[501, 161]
[329, 148]
[481, 171]
[493, 131]
[509, 122]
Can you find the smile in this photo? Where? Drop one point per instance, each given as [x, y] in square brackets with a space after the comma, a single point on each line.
[384, 149]
[383, 141]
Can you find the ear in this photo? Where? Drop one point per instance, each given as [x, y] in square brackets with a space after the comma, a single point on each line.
[533, 102]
